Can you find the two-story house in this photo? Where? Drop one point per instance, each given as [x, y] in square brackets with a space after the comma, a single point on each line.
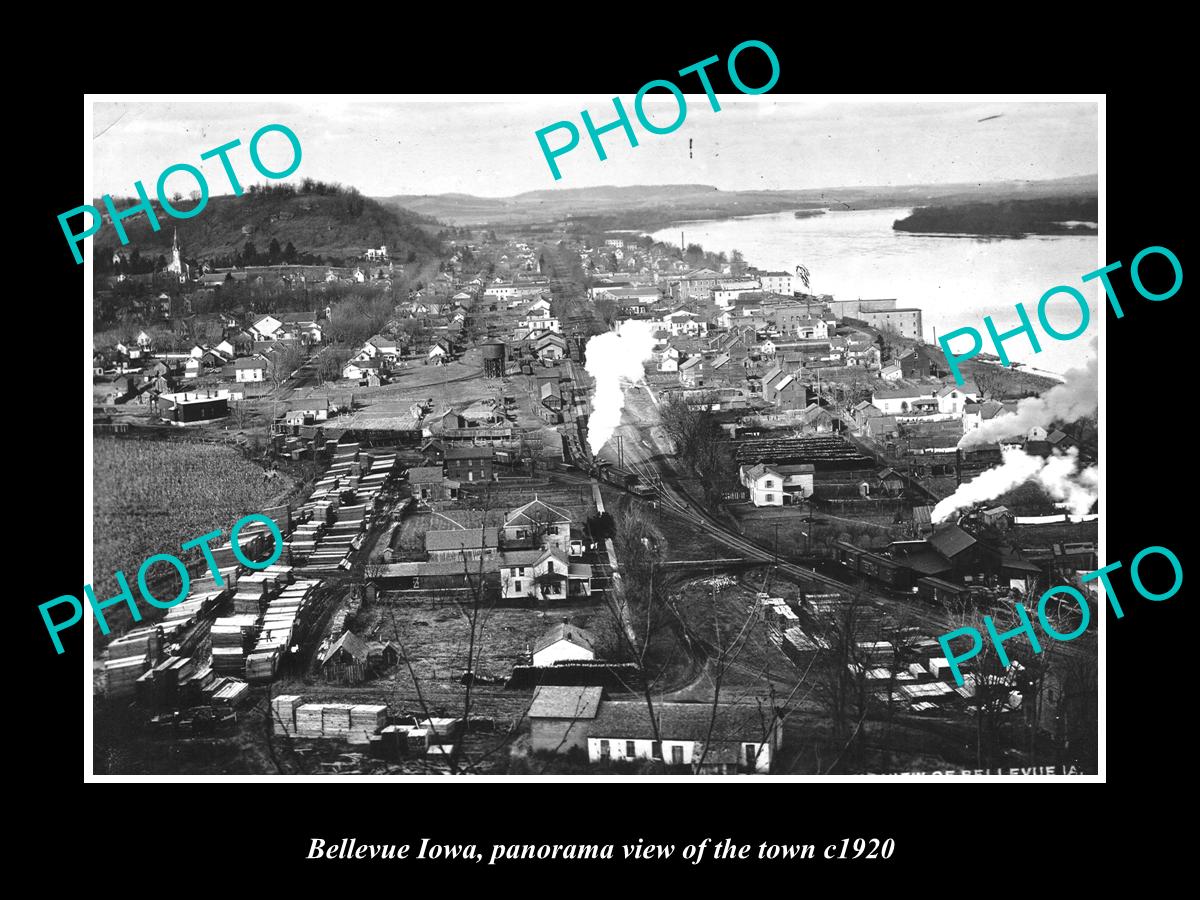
[540, 524]
[469, 463]
[776, 485]
[544, 574]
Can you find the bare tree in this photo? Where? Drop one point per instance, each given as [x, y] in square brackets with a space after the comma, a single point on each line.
[989, 379]
[282, 360]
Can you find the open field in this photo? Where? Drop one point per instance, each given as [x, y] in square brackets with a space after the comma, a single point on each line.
[152, 496]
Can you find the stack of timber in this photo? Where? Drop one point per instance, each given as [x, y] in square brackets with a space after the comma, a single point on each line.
[160, 686]
[231, 692]
[122, 675]
[283, 714]
[232, 638]
[285, 614]
[366, 719]
[355, 723]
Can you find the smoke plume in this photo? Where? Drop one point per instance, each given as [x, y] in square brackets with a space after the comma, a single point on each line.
[1058, 475]
[1066, 402]
[611, 357]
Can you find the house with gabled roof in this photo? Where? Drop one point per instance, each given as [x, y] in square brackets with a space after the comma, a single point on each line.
[250, 368]
[346, 660]
[539, 522]
[952, 398]
[784, 388]
[542, 574]
[777, 484]
[266, 328]
[550, 345]
[563, 641]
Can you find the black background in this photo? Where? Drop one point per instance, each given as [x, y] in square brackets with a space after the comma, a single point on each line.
[939, 830]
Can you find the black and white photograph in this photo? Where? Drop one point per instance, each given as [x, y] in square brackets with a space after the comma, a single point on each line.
[528, 436]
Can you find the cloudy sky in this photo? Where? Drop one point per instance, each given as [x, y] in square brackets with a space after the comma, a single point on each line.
[489, 148]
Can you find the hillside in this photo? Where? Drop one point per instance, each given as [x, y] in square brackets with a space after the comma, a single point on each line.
[656, 206]
[326, 222]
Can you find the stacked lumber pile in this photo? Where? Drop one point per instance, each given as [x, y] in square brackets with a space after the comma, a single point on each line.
[338, 528]
[190, 691]
[308, 720]
[141, 642]
[279, 621]
[159, 687]
[232, 638]
[122, 675]
[335, 720]
[356, 723]
[230, 692]
[366, 719]
[283, 714]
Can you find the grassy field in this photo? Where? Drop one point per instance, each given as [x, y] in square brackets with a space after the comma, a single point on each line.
[152, 496]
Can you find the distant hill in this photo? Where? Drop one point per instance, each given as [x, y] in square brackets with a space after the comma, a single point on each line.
[328, 222]
[656, 206]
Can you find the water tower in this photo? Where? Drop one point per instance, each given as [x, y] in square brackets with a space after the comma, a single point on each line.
[494, 353]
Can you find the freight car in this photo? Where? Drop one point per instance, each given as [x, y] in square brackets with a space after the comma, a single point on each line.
[623, 479]
[878, 568]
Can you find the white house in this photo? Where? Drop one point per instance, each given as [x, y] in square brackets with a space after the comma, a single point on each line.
[563, 641]
[192, 368]
[726, 293]
[226, 349]
[358, 369]
[268, 328]
[683, 321]
[733, 737]
[538, 574]
[894, 401]
[537, 520]
[547, 323]
[891, 372]
[776, 485]
[952, 398]
[777, 282]
[251, 368]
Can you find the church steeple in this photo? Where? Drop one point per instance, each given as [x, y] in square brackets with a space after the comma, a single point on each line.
[176, 264]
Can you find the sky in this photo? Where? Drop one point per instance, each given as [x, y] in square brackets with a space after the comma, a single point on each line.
[447, 145]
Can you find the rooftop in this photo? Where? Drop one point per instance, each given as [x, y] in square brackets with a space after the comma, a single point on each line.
[630, 720]
[565, 702]
[565, 631]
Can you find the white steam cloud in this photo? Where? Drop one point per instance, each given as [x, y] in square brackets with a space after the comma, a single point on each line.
[1058, 475]
[611, 357]
[1076, 397]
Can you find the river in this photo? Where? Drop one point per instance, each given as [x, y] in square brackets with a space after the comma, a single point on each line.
[955, 281]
